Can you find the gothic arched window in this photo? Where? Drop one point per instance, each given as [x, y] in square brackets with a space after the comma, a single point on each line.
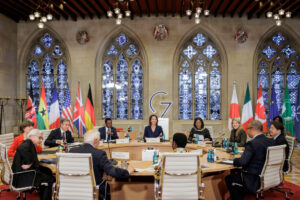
[122, 79]
[278, 65]
[47, 63]
[199, 79]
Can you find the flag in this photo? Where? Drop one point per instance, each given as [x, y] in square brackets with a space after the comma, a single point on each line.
[67, 109]
[260, 112]
[42, 120]
[89, 111]
[297, 117]
[54, 117]
[273, 107]
[286, 115]
[234, 111]
[30, 113]
[247, 115]
[78, 119]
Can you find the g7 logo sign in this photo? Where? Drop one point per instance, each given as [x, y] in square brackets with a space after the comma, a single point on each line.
[162, 103]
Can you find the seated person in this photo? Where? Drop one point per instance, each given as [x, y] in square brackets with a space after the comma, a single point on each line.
[108, 132]
[252, 162]
[279, 119]
[101, 163]
[200, 130]
[59, 135]
[237, 134]
[25, 128]
[26, 159]
[179, 143]
[153, 130]
[276, 132]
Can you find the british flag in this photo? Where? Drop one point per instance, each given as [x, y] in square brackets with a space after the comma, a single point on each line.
[78, 119]
[67, 109]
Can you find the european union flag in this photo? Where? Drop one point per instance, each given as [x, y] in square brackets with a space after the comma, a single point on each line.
[297, 116]
[273, 107]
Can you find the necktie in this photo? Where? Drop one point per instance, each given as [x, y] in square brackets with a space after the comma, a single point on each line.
[64, 136]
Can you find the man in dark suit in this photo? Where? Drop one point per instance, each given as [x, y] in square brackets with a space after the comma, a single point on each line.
[252, 162]
[26, 159]
[101, 163]
[108, 132]
[277, 133]
[58, 135]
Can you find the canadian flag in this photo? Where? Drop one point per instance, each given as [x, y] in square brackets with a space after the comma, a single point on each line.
[234, 111]
[260, 112]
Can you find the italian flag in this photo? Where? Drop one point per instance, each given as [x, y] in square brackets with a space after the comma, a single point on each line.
[260, 112]
[247, 115]
[234, 111]
[43, 120]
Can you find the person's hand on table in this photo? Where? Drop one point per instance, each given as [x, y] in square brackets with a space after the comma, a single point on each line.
[109, 133]
[130, 169]
[207, 139]
[26, 166]
[58, 141]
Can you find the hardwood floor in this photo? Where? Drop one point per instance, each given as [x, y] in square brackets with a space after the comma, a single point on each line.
[294, 175]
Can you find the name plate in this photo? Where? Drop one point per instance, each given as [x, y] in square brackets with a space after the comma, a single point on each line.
[120, 155]
[122, 141]
[201, 143]
[200, 151]
[152, 140]
[147, 155]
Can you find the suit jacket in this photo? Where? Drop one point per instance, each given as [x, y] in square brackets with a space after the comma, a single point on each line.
[204, 132]
[240, 139]
[102, 131]
[149, 134]
[253, 160]
[280, 140]
[16, 143]
[56, 135]
[101, 163]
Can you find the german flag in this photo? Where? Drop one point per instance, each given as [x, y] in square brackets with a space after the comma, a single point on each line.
[89, 113]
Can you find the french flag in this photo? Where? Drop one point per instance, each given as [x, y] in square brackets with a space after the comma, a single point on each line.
[54, 115]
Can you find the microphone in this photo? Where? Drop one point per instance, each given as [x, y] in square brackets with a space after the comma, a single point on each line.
[112, 161]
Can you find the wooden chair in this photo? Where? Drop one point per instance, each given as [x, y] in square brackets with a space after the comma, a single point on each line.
[7, 139]
[10, 178]
[272, 175]
[122, 135]
[180, 177]
[75, 177]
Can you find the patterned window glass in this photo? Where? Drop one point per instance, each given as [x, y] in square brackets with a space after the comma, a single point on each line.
[199, 79]
[47, 63]
[278, 66]
[122, 79]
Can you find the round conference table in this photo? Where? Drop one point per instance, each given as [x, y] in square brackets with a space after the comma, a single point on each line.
[140, 184]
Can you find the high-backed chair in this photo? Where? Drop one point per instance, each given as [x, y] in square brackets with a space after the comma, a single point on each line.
[10, 178]
[75, 177]
[291, 142]
[180, 177]
[7, 139]
[46, 133]
[272, 175]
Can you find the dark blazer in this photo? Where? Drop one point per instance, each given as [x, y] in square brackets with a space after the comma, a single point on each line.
[253, 160]
[204, 132]
[102, 131]
[280, 140]
[149, 134]
[240, 139]
[56, 135]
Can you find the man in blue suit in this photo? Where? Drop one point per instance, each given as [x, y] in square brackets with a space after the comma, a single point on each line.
[101, 163]
[108, 132]
[252, 162]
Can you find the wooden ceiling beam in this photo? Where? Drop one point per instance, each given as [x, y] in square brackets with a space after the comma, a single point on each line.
[66, 10]
[268, 9]
[13, 9]
[156, 8]
[130, 7]
[9, 14]
[139, 7]
[248, 7]
[182, 8]
[80, 9]
[90, 10]
[236, 6]
[23, 9]
[242, 5]
[47, 8]
[260, 9]
[291, 5]
[98, 7]
[75, 12]
[296, 9]
[148, 8]
[227, 7]
[218, 7]
[282, 5]
[165, 8]
[35, 6]
[214, 6]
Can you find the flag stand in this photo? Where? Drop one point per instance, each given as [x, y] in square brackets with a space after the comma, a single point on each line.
[3, 102]
[21, 102]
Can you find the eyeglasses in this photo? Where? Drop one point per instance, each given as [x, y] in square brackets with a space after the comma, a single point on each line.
[40, 137]
[249, 128]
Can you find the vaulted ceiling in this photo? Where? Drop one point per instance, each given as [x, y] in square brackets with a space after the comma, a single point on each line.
[73, 9]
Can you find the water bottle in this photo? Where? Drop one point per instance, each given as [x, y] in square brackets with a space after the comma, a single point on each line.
[236, 151]
[130, 129]
[163, 137]
[227, 143]
[223, 143]
[212, 156]
[196, 139]
[128, 136]
[155, 157]
[208, 155]
[232, 147]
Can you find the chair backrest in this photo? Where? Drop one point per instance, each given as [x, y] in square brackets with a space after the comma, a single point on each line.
[4, 165]
[180, 176]
[211, 131]
[75, 176]
[7, 139]
[46, 133]
[272, 174]
[291, 142]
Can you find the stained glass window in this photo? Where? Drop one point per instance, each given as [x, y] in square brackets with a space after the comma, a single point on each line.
[47, 63]
[199, 79]
[278, 65]
[122, 79]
